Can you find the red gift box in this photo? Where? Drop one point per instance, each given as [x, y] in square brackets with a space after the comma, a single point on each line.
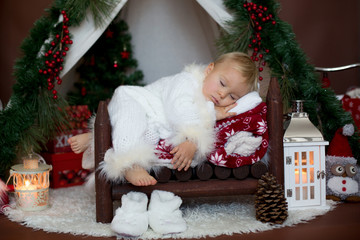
[66, 169]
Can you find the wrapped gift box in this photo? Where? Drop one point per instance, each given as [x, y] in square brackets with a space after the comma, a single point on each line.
[67, 170]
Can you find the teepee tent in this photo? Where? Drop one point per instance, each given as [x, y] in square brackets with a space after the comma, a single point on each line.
[166, 34]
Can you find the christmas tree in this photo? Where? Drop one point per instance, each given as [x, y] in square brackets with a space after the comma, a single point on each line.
[107, 65]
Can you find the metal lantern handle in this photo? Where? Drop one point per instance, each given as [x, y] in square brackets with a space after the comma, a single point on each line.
[41, 159]
[321, 174]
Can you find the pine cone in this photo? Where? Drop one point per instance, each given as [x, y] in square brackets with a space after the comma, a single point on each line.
[270, 201]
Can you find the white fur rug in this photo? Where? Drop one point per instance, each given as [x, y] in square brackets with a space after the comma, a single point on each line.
[72, 210]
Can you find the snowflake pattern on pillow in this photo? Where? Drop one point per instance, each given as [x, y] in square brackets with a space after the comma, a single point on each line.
[250, 133]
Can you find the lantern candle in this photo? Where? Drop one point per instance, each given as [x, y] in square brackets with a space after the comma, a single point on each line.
[303, 176]
[31, 184]
[304, 155]
[28, 186]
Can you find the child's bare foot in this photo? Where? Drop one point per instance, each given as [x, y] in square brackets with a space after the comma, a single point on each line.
[79, 143]
[138, 176]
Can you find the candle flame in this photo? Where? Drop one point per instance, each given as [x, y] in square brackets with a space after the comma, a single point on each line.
[27, 183]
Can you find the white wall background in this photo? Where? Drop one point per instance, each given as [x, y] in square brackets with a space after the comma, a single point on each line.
[168, 34]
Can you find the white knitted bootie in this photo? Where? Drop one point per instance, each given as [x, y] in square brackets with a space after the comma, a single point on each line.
[164, 214]
[131, 219]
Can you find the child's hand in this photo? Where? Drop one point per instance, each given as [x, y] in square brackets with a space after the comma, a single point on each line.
[183, 155]
[223, 112]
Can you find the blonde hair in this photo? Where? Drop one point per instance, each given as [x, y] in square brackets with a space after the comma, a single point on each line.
[244, 64]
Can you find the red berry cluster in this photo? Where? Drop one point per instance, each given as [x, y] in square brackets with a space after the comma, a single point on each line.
[78, 116]
[54, 56]
[258, 16]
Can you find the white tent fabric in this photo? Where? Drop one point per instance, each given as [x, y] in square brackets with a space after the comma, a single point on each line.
[166, 35]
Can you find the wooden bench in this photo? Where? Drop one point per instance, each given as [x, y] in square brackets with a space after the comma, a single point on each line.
[183, 185]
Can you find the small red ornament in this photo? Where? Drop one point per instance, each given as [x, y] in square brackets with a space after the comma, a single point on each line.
[115, 64]
[92, 60]
[109, 34]
[325, 81]
[125, 54]
[83, 91]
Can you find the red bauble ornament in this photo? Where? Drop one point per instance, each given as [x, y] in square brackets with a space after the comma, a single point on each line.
[325, 82]
[92, 60]
[125, 54]
[109, 34]
[83, 91]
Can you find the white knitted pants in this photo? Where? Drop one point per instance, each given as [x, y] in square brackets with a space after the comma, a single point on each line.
[128, 121]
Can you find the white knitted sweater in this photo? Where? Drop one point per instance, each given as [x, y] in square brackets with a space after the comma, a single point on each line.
[176, 110]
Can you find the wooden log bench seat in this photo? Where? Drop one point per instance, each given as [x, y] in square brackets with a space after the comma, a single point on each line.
[203, 181]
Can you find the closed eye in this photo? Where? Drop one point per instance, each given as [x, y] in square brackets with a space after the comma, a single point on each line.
[222, 84]
[232, 97]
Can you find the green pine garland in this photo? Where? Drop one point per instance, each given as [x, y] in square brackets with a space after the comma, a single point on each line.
[32, 116]
[287, 61]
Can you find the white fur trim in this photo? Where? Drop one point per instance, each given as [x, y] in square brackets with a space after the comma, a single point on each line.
[334, 159]
[348, 130]
[247, 102]
[115, 164]
[243, 143]
[89, 184]
[197, 70]
[202, 135]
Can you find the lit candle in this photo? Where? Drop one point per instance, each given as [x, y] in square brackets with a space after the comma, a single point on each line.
[303, 176]
[29, 186]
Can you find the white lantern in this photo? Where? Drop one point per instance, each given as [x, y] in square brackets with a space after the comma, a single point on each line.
[31, 183]
[304, 162]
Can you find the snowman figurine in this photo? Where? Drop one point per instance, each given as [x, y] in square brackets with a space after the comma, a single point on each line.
[342, 172]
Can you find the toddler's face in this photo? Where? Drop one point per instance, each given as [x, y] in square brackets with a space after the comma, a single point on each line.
[223, 84]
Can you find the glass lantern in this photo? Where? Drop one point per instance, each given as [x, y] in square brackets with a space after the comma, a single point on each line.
[31, 183]
[304, 162]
